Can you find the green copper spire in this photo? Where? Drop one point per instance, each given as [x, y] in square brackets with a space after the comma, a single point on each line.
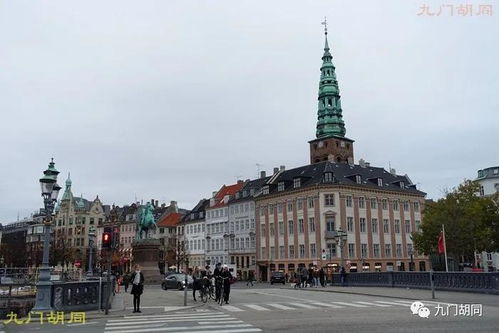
[68, 195]
[330, 120]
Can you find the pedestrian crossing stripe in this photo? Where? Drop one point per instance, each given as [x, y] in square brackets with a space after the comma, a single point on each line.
[199, 322]
[351, 304]
[315, 305]
[369, 303]
[280, 306]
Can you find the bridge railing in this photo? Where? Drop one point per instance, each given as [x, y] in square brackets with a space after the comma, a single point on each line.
[457, 281]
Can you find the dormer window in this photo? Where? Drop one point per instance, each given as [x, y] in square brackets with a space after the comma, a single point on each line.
[296, 182]
[280, 186]
[358, 179]
[237, 195]
[380, 181]
[245, 193]
[266, 189]
[252, 191]
[328, 177]
[401, 184]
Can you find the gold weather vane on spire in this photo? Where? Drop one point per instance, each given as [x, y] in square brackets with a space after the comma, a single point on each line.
[325, 25]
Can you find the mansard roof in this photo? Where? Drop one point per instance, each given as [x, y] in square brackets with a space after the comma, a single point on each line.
[344, 174]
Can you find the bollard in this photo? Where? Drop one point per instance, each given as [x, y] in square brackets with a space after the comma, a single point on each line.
[432, 284]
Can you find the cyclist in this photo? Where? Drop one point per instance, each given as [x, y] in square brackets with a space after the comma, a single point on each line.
[196, 285]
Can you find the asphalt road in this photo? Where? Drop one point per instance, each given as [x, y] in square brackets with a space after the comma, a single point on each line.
[271, 309]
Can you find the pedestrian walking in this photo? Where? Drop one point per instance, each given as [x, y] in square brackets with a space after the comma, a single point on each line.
[126, 281]
[196, 284]
[322, 276]
[250, 278]
[316, 277]
[227, 280]
[304, 277]
[343, 276]
[137, 279]
[217, 274]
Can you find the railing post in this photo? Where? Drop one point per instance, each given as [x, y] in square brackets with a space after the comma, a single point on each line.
[432, 284]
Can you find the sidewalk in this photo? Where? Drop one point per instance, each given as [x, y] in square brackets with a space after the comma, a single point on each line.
[411, 294]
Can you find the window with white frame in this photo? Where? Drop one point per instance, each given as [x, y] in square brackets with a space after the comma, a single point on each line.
[296, 182]
[373, 203]
[313, 252]
[388, 250]
[349, 201]
[301, 227]
[397, 226]
[350, 223]
[407, 226]
[291, 228]
[330, 223]
[311, 224]
[384, 204]
[376, 250]
[399, 250]
[362, 224]
[302, 251]
[291, 251]
[362, 203]
[310, 202]
[363, 250]
[280, 186]
[351, 250]
[386, 226]
[374, 226]
[328, 199]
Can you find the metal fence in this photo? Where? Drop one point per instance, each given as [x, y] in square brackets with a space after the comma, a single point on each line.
[66, 296]
[454, 281]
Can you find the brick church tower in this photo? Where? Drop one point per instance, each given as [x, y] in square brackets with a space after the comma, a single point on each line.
[330, 143]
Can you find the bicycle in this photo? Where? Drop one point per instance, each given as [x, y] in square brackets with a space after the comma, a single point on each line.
[203, 293]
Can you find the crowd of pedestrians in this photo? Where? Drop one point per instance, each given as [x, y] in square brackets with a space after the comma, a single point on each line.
[314, 277]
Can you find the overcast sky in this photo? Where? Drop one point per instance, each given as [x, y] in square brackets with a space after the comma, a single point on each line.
[172, 99]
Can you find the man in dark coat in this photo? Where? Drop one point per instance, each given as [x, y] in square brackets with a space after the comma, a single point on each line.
[137, 279]
[227, 279]
[218, 281]
[322, 276]
[126, 281]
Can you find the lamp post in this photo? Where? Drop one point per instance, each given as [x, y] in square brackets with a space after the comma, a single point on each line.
[91, 240]
[341, 238]
[411, 265]
[50, 191]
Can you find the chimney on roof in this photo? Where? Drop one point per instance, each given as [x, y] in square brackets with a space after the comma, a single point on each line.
[350, 160]
[173, 207]
[362, 163]
[156, 203]
[152, 202]
[367, 164]
[276, 170]
[262, 174]
[282, 168]
[240, 181]
[393, 172]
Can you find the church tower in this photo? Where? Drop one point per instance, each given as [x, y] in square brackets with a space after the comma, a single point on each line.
[330, 143]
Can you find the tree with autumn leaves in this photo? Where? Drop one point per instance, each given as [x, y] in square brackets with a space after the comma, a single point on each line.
[471, 223]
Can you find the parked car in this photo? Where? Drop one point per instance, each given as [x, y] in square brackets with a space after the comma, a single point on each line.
[277, 277]
[176, 281]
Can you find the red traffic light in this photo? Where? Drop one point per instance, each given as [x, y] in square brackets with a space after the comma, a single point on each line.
[107, 238]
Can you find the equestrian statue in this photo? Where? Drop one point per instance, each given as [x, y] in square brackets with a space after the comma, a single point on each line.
[145, 221]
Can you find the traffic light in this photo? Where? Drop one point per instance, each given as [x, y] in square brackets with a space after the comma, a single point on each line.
[107, 238]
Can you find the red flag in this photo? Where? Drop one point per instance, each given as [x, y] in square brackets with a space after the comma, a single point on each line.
[441, 243]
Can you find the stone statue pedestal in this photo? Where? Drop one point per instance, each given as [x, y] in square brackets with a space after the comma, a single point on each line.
[146, 254]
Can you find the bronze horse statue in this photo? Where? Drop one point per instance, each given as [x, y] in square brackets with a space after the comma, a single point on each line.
[145, 220]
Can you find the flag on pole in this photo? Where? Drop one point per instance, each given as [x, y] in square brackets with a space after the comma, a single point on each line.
[441, 243]
[442, 247]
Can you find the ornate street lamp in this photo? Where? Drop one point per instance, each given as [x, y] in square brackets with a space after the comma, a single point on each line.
[411, 265]
[50, 191]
